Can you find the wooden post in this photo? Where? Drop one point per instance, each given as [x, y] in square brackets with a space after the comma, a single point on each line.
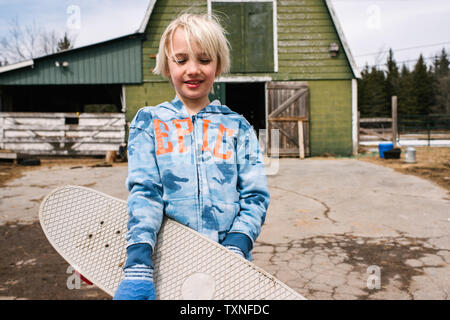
[359, 130]
[110, 156]
[355, 118]
[301, 145]
[2, 132]
[394, 121]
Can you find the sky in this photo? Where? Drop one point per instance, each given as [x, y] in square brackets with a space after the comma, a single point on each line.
[371, 27]
[409, 27]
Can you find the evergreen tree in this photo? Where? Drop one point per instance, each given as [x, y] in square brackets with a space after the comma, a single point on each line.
[442, 83]
[64, 43]
[443, 66]
[392, 79]
[372, 94]
[406, 99]
[363, 102]
[422, 85]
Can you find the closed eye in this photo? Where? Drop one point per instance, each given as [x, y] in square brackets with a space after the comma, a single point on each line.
[180, 58]
[179, 61]
[204, 58]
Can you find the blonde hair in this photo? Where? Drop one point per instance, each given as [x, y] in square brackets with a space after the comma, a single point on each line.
[205, 30]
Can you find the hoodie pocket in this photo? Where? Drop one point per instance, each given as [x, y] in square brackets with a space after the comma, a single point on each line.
[183, 211]
[224, 213]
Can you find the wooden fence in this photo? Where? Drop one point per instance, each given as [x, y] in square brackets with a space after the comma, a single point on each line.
[61, 133]
[376, 129]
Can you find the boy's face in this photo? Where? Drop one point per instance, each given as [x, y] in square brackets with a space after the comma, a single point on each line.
[192, 76]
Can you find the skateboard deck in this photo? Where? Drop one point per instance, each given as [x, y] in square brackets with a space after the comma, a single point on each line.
[87, 228]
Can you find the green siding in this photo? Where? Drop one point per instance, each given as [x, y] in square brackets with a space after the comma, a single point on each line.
[330, 117]
[113, 62]
[146, 94]
[305, 31]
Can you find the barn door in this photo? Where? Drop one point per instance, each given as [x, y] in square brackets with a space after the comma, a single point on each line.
[288, 112]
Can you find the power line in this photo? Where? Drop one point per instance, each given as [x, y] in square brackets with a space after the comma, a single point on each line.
[398, 62]
[404, 49]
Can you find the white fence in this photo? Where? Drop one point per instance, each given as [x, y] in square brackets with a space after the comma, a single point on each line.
[61, 133]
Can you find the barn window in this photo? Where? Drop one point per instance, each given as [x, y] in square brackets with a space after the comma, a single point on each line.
[250, 28]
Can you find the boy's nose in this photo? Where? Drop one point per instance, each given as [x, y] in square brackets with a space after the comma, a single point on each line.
[193, 67]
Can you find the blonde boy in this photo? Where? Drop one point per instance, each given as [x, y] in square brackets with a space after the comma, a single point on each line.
[190, 159]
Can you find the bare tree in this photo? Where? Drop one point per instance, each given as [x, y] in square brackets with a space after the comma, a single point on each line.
[25, 42]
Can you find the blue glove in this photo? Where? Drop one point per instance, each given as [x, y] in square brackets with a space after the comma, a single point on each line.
[137, 283]
[238, 243]
[236, 250]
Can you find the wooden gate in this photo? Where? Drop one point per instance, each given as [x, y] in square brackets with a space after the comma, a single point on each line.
[288, 112]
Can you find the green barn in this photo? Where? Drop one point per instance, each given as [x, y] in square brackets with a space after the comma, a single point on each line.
[291, 70]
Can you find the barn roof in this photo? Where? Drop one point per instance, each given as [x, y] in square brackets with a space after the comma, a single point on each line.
[113, 61]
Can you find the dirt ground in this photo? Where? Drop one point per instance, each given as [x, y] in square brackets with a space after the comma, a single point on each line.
[31, 269]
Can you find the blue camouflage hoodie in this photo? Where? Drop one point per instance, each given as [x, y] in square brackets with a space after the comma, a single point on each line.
[204, 171]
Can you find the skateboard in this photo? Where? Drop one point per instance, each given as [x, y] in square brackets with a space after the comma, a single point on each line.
[87, 228]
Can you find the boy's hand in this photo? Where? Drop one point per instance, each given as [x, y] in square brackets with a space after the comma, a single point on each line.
[137, 284]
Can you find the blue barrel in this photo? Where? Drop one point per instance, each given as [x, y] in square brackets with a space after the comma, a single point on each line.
[385, 146]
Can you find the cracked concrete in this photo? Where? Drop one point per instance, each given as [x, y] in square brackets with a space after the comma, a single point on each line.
[336, 266]
[330, 221]
[335, 229]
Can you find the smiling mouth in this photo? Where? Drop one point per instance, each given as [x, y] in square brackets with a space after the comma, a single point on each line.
[193, 83]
